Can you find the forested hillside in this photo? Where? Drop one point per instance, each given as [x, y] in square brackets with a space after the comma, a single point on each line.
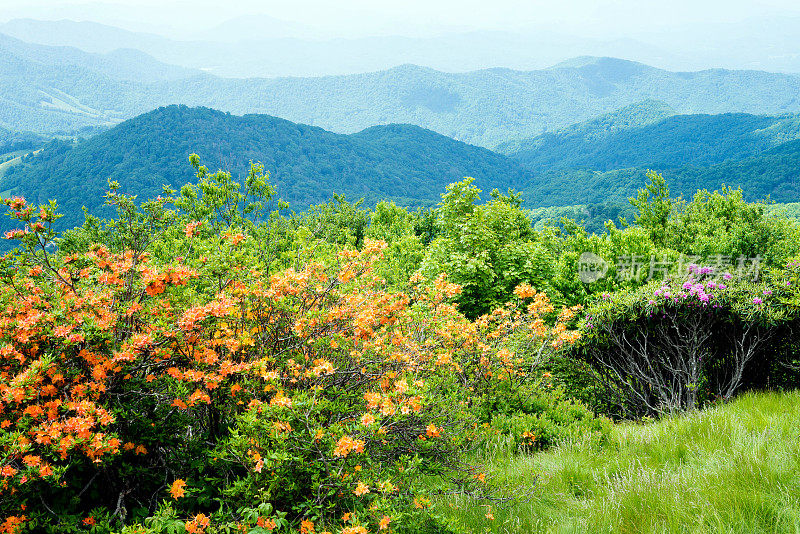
[775, 172]
[11, 141]
[308, 164]
[611, 142]
[411, 165]
[486, 107]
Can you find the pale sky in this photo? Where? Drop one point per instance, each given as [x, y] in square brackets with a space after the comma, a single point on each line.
[360, 17]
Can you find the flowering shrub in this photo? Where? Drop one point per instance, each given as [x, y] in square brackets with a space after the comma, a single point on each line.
[205, 393]
[675, 344]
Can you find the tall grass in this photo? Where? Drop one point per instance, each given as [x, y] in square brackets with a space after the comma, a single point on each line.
[728, 469]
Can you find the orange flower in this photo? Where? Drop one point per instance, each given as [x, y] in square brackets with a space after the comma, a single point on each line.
[525, 291]
[177, 490]
[432, 431]
[191, 227]
[198, 524]
[347, 444]
[361, 489]
[384, 523]
[281, 401]
[367, 419]
[306, 526]
[89, 521]
[267, 523]
[31, 460]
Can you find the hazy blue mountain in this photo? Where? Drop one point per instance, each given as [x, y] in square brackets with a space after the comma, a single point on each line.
[63, 90]
[88, 36]
[639, 114]
[613, 141]
[404, 163]
[486, 107]
[257, 45]
[125, 64]
[261, 46]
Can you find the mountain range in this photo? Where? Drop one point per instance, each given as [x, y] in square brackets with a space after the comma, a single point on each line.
[61, 90]
[652, 134]
[258, 45]
[307, 164]
[412, 165]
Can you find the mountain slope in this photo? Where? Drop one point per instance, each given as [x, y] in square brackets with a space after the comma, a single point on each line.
[603, 144]
[125, 64]
[258, 45]
[774, 172]
[307, 164]
[485, 108]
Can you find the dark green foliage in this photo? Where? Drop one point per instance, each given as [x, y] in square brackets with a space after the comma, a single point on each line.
[11, 141]
[592, 217]
[539, 417]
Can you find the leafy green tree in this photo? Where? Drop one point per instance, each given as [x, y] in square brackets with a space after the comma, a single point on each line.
[723, 223]
[395, 225]
[337, 221]
[488, 248]
[655, 207]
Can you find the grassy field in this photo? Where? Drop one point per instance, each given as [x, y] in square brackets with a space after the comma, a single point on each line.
[728, 469]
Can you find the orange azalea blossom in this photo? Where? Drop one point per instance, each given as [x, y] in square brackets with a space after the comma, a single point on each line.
[198, 525]
[53, 391]
[306, 526]
[384, 522]
[267, 523]
[281, 401]
[361, 489]
[346, 444]
[367, 419]
[191, 227]
[177, 489]
[432, 431]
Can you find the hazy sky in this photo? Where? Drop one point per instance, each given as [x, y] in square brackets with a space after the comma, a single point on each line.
[359, 17]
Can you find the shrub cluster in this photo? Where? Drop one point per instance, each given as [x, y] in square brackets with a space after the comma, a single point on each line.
[147, 391]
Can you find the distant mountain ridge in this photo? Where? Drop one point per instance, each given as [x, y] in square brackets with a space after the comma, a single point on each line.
[774, 173]
[411, 165]
[652, 135]
[257, 45]
[126, 64]
[404, 163]
[485, 108]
